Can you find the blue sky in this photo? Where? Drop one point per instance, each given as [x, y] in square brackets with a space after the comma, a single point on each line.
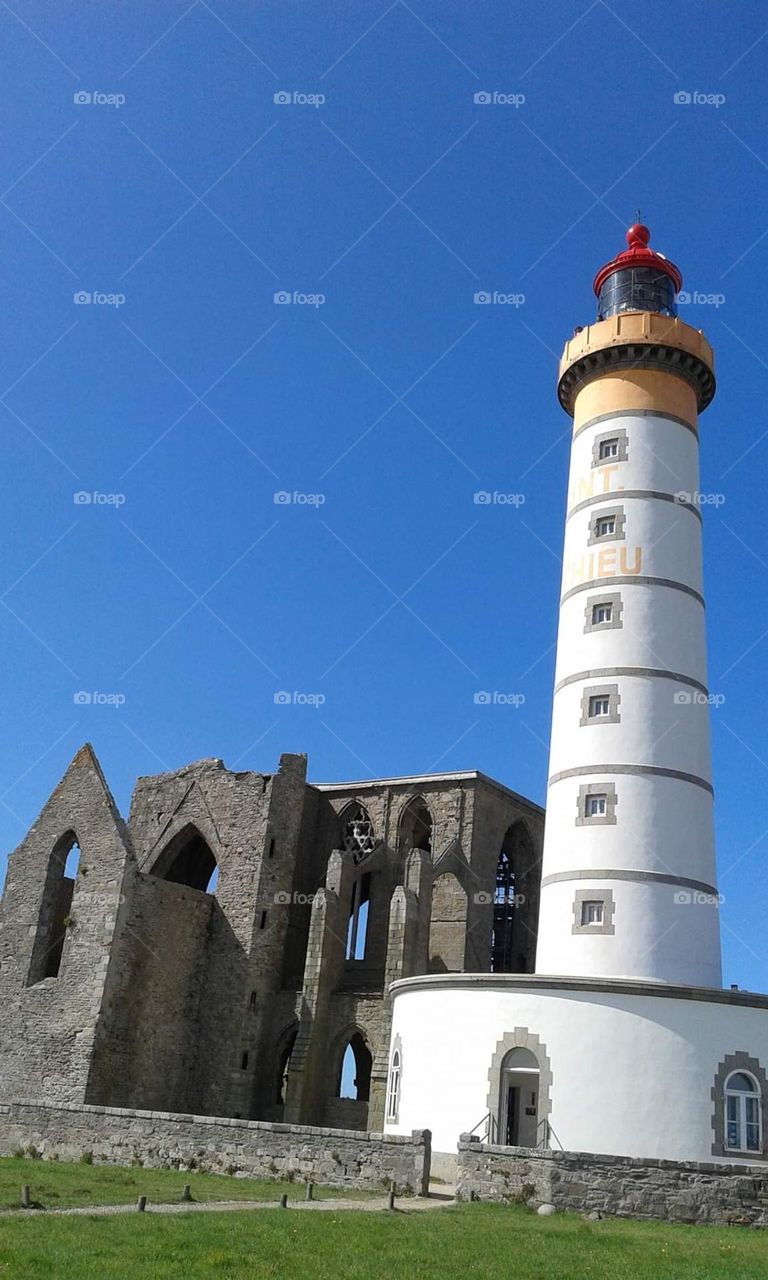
[382, 394]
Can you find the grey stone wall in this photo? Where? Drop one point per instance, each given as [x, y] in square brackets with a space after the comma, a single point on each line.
[335, 1157]
[722, 1194]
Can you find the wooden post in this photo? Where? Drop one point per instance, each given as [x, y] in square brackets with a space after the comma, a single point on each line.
[187, 1192]
[310, 1190]
[391, 1199]
[25, 1200]
[142, 1204]
[284, 1202]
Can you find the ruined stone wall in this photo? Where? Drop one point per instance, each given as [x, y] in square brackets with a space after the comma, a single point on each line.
[51, 1026]
[726, 1194]
[162, 1140]
[149, 1055]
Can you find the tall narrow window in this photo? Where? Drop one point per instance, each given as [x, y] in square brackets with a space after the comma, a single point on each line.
[354, 1078]
[55, 909]
[743, 1118]
[357, 834]
[514, 903]
[393, 1097]
[357, 927]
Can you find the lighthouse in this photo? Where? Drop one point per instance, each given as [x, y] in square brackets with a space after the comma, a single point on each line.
[628, 874]
[623, 1042]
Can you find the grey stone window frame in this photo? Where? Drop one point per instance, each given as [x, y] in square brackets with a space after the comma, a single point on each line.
[613, 598]
[606, 925]
[520, 1038]
[607, 819]
[609, 691]
[738, 1061]
[619, 434]
[394, 1117]
[602, 513]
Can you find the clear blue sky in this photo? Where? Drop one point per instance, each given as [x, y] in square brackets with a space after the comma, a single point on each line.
[397, 398]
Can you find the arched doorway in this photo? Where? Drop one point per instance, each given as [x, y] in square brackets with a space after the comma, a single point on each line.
[519, 1100]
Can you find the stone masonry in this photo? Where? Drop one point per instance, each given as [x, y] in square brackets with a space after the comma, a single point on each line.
[221, 951]
[159, 1140]
[720, 1194]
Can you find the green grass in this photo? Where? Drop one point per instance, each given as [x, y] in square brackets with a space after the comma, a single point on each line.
[472, 1242]
[56, 1185]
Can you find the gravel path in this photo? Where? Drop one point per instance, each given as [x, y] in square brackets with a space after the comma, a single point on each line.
[415, 1204]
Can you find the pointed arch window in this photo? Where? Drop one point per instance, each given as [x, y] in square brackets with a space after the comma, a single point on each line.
[416, 826]
[514, 913]
[357, 833]
[188, 859]
[54, 919]
[354, 1078]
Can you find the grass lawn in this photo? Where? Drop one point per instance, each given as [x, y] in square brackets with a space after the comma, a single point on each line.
[467, 1242]
[56, 1185]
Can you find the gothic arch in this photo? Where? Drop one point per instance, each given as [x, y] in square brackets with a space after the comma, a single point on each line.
[186, 859]
[415, 829]
[515, 903]
[55, 906]
[354, 1042]
[358, 836]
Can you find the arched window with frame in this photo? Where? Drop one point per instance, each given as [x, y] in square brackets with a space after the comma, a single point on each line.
[743, 1113]
[357, 923]
[393, 1092]
[415, 826]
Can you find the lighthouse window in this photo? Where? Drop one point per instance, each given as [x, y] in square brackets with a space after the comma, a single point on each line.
[603, 612]
[593, 915]
[610, 446]
[600, 702]
[607, 524]
[596, 806]
[591, 912]
[743, 1121]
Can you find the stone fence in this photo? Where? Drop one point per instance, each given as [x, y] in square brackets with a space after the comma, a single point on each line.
[216, 1144]
[723, 1194]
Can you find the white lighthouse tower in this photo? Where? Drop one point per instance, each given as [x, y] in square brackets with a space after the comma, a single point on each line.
[629, 835]
[623, 1042]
